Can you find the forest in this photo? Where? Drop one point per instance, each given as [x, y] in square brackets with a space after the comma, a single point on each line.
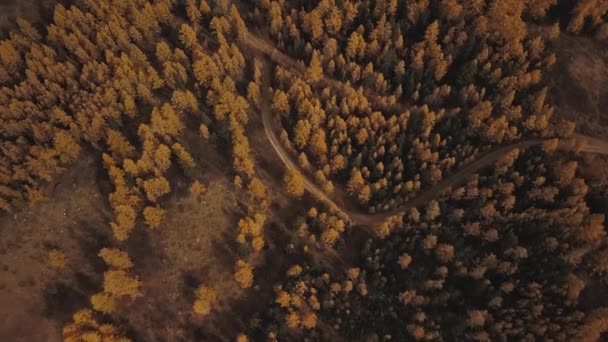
[357, 170]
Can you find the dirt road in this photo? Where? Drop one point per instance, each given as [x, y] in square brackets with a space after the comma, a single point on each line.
[260, 46]
[263, 46]
[585, 143]
[285, 157]
[591, 145]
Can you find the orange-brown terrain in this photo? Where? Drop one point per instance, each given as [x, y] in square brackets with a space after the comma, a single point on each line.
[334, 170]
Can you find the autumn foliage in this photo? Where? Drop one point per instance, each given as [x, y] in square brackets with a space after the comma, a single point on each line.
[205, 298]
[86, 328]
[294, 182]
[375, 102]
[243, 273]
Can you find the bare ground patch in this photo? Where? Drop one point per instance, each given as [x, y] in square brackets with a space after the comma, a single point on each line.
[35, 299]
[32, 10]
[580, 83]
[192, 246]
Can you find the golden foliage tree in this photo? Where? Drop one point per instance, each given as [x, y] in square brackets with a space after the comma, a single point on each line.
[156, 188]
[103, 302]
[57, 258]
[125, 222]
[119, 283]
[153, 216]
[243, 274]
[85, 328]
[257, 189]
[205, 298]
[116, 258]
[294, 182]
[197, 188]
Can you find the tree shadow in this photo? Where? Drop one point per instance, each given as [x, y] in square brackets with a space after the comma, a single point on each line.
[90, 241]
[225, 248]
[144, 252]
[61, 301]
[191, 280]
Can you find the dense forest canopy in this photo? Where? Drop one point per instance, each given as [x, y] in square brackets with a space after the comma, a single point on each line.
[438, 196]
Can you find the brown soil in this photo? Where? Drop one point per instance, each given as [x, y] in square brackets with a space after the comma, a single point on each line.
[580, 84]
[191, 247]
[194, 245]
[31, 10]
[35, 299]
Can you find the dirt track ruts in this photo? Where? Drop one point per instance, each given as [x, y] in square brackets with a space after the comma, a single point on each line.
[586, 144]
[261, 46]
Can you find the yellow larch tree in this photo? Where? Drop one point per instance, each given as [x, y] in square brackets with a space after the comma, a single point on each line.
[315, 69]
[85, 328]
[57, 259]
[318, 145]
[162, 158]
[257, 189]
[404, 261]
[203, 131]
[156, 188]
[309, 320]
[125, 221]
[103, 302]
[184, 101]
[257, 243]
[194, 13]
[153, 216]
[294, 182]
[66, 146]
[283, 299]
[238, 23]
[205, 298]
[280, 102]
[184, 158]
[119, 283]
[116, 258]
[301, 133]
[243, 274]
[197, 188]
[293, 320]
[118, 144]
[294, 271]
[187, 36]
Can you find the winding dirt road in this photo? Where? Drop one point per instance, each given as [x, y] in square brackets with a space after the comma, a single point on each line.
[263, 47]
[585, 144]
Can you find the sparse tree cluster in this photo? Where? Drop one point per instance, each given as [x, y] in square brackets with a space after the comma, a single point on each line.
[205, 298]
[117, 281]
[85, 327]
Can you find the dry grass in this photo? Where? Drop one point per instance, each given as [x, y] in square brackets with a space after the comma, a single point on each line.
[580, 84]
[32, 294]
[194, 229]
[192, 246]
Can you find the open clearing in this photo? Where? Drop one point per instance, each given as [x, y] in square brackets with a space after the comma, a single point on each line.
[73, 219]
[191, 247]
[580, 86]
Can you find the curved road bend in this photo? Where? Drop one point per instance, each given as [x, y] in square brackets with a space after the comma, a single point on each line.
[261, 46]
[587, 144]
